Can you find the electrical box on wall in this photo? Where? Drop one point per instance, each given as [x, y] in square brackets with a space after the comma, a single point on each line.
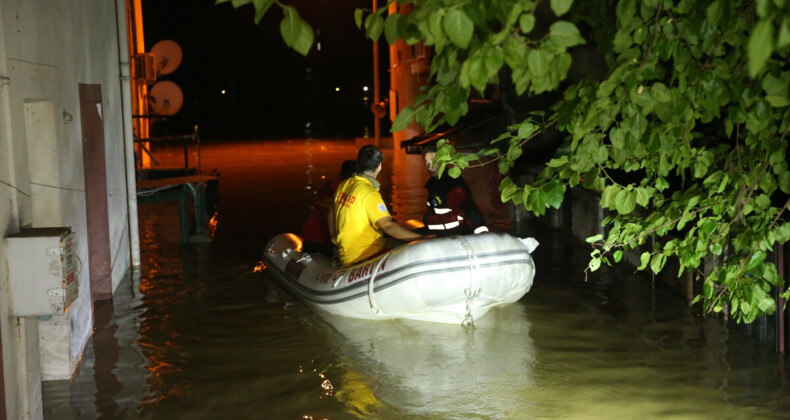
[41, 271]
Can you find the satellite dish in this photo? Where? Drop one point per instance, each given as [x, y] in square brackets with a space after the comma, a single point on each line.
[165, 98]
[168, 56]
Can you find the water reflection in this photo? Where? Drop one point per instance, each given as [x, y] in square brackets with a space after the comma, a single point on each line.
[106, 359]
[619, 344]
[409, 369]
[198, 334]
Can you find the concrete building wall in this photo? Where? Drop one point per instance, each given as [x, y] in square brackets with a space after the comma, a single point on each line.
[47, 49]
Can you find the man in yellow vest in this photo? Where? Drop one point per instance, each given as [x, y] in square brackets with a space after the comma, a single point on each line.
[359, 217]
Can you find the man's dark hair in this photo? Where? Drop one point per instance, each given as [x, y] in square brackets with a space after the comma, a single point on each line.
[368, 158]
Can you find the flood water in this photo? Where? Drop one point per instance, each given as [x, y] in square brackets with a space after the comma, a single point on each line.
[197, 334]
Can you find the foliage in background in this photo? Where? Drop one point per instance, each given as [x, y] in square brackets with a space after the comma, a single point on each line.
[685, 139]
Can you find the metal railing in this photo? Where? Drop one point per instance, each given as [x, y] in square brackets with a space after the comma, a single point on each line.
[145, 144]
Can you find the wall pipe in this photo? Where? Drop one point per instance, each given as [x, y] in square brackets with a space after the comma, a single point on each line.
[6, 136]
[121, 11]
[5, 116]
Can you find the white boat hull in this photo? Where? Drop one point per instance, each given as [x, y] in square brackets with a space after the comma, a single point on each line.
[452, 280]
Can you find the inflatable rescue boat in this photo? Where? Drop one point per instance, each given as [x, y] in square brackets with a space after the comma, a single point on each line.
[453, 280]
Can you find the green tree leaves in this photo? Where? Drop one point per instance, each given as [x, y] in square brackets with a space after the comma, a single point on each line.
[374, 25]
[560, 7]
[563, 35]
[404, 118]
[625, 202]
[296, 33]
[765, 38]
[760, 46]
[685, 140]
[458, 27]
[472, 45]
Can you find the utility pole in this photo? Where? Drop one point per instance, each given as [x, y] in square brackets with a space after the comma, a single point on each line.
[376, 92]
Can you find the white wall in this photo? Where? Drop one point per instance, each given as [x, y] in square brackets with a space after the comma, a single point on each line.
[47, 48]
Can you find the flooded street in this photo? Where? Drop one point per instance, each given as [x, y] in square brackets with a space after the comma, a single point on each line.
[199, 335]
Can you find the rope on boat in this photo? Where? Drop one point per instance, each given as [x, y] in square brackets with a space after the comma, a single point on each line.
[474, 288]
[373, 306]
[470, 292]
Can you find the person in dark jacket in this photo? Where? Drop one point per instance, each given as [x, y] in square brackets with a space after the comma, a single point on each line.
[315, 231]
[451, 209]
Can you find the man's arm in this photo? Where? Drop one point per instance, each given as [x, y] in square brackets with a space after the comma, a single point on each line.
[388, 226]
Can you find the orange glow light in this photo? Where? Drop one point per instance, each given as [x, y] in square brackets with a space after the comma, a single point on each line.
[297, 241]
[260, 267]
[414, 224]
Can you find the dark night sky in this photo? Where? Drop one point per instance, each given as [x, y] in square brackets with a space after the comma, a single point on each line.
[269, 93]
